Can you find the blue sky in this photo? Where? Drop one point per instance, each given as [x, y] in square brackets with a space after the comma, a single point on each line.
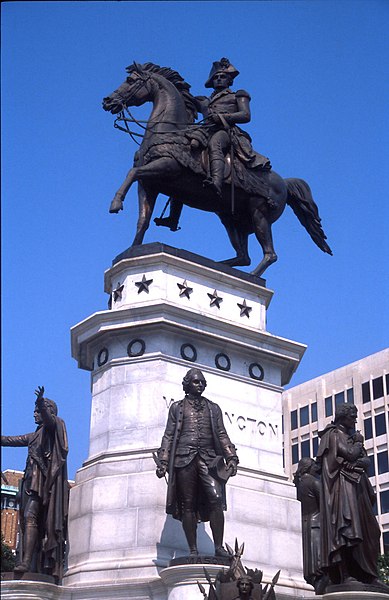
[317, 74]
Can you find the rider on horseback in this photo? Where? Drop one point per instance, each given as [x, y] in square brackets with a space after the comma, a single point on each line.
[220, 133]
[223, 110]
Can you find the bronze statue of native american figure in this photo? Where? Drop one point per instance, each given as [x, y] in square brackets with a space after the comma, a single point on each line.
[44, 493]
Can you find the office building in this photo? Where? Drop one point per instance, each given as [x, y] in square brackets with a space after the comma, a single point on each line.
[309, 407]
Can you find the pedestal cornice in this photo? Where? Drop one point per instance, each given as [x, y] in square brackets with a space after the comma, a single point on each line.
[88, 333]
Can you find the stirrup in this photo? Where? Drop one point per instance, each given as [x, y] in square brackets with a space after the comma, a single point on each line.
[166, 222]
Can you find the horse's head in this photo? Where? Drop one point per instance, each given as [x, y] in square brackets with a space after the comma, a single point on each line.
[135, 91]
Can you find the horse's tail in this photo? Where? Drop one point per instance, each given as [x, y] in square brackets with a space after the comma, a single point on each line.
[304, 207]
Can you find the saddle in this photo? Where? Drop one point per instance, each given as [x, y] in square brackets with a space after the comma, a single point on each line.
[190, 149]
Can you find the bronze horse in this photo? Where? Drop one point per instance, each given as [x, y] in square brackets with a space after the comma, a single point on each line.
[167, 163]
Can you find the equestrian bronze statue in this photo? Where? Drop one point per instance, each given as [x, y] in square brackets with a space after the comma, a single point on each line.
[208, 164]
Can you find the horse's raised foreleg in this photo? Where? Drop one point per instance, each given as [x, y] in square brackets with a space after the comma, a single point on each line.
[262, 230]
[162, 167]
[146, 206]
[117, 202]
[239, 241]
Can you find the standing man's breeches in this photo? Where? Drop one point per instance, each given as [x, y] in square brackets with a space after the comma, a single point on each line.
[32, 510]
[191, 478]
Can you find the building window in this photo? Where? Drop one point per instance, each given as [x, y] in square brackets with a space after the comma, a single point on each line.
[365, 392]
[371, 469]
[350, 395]
[313, 412]
[383, 463]
[328, 405]
[380, 425]
[295, 454]
[368, 428]
[387, 383]
[305, 449]
[315, 445]
[293, 419]
[384, 496]
[378, 388]
[304, 415]
[339, 398]
[385, 537]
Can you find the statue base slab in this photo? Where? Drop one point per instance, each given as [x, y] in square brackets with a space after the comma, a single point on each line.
[355, 595]
[29, 589]
[174, 583]
[12, 576]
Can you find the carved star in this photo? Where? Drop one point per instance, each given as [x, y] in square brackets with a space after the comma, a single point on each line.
[143, 286]
[215, 299]
[185, 290]
[244, 309]
[118, 292]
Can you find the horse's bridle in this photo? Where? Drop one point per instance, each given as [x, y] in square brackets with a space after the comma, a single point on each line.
[142, 80]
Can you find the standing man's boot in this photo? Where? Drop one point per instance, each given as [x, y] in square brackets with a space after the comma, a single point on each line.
[30, 539]
[216, 521]
[189, 525]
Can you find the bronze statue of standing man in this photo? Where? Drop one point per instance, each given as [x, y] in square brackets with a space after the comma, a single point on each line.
[193, 450]
[44, 492]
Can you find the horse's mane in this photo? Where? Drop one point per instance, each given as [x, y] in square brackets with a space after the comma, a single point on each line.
[175, 78]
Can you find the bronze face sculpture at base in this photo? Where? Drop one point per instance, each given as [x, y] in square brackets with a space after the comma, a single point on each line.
[238, 582]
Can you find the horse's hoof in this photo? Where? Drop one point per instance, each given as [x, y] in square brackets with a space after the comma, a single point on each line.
[264, 264]
[242, 261]
[116, 205]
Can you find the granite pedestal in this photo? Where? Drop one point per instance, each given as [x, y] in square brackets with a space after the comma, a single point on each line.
[170, 310]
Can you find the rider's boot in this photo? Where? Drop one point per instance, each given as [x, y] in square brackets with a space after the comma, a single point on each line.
[215, 180]
[174, 215]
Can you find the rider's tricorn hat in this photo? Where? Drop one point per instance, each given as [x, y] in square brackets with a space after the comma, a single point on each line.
[221, 66]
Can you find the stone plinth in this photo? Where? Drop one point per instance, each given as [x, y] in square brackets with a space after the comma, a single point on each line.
[181, 581]
[169, 311]
[30, 590]
[365, 595]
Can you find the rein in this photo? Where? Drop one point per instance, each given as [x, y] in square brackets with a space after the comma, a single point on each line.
[132, 119]
[121, 118]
